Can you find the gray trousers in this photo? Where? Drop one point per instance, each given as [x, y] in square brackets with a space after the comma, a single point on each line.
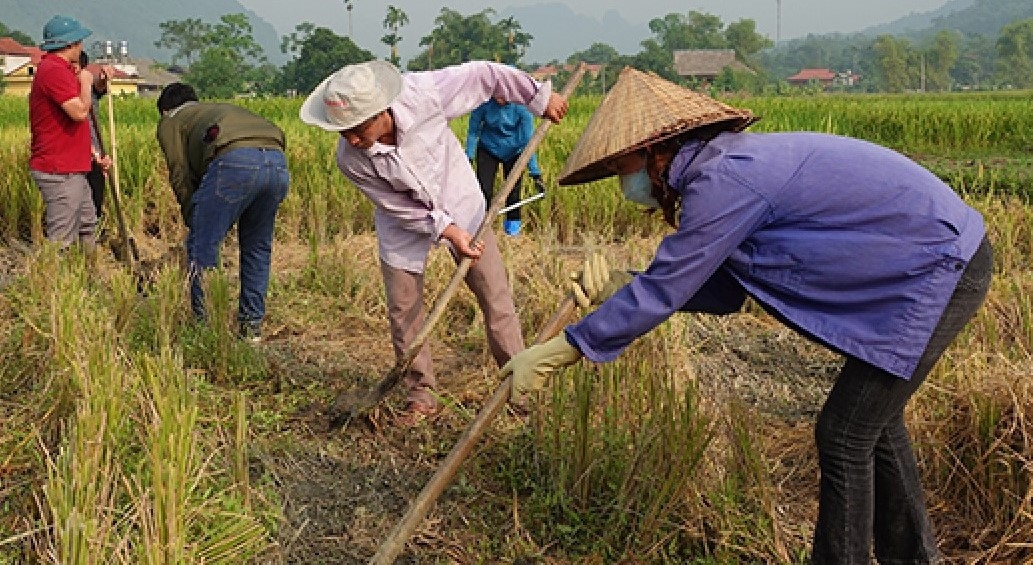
[405, 311]
[69, 216]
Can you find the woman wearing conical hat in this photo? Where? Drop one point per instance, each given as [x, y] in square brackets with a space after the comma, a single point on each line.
[851, 244]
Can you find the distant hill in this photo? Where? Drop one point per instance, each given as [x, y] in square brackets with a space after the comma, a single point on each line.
[557, 29]
[135, 22]
[980, 17]
[918, 21]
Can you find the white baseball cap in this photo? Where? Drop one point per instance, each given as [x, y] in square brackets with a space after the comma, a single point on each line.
[352, 95]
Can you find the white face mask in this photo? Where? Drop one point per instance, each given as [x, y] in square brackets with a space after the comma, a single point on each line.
[639, 189]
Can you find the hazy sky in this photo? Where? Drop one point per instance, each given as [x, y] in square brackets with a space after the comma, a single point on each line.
[799, 17]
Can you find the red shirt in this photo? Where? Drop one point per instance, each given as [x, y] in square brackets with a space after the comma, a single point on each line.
[59, 143]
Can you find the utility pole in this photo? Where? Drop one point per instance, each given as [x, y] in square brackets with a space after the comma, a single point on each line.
[922, 73]
[348, 6]
[778, 22]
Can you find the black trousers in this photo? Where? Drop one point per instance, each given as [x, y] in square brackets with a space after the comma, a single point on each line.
[95, 178]
[487, 169]
[869, 487]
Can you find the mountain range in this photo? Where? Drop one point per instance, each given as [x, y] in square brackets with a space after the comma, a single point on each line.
[558, 31]
[135, 22]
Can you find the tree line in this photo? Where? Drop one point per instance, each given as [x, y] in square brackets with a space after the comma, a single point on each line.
[221, 59]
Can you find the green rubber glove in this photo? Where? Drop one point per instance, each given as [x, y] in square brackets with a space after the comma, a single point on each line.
[532, 366]
[596, 281]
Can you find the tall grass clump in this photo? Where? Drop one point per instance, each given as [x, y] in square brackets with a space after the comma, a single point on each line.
[615, 457]
[80, 491]
[126, 472]
[181, 519]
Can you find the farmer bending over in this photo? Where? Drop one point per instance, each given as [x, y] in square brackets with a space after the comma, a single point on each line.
[398, 149]
[496, 135]
[851, 244]
[226, 166]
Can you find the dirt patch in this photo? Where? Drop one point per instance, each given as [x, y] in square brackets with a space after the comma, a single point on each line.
[343, 491]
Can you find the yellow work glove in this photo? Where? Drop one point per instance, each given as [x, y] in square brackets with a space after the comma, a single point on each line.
[531, 366]
[596, 282]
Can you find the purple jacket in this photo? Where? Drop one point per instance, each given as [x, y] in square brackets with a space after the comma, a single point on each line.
[850, 243]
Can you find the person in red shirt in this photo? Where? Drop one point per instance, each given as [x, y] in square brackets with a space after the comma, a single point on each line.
[60, 156]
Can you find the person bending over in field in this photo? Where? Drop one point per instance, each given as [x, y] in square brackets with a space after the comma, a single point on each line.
[396, 146]
[851, 244]
[226, 166]
[496, 135]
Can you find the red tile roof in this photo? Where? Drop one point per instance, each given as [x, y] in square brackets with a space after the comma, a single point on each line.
[9, 46]
[813, 74]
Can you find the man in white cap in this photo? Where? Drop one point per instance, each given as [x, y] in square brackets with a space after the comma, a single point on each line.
[397, 147]
[60, 156]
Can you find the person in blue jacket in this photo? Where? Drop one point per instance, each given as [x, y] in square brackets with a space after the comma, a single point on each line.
[852, 244]
[496, 135]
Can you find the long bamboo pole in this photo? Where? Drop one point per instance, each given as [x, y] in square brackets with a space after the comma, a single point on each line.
[395, 542]
[128, 250]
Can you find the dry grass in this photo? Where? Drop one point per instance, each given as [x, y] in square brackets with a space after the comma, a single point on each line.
[615, 489]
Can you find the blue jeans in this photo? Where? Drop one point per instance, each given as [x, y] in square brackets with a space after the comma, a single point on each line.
[244, 187]
[869, 487]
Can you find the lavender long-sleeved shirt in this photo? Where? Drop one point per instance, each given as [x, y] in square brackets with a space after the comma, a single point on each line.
[424, 183]
[850, 243]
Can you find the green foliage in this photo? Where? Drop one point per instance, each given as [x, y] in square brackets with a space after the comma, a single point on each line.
[892, 63]
[697, 30]
[1015, 52]
[316, 53]
[186, 38]
[458, 39]
[968, 59]
[940, 58]
[394, 20]
[984, 17]
[222, 56]
[19, 36]
[743, 37]
[216, 74]
[597, 53]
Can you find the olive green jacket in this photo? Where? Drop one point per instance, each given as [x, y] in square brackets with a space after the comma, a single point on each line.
[193, 134]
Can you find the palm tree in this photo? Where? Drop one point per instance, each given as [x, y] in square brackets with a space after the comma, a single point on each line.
[394, 19]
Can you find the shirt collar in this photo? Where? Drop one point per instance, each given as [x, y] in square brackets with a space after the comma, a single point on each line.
[176, 110]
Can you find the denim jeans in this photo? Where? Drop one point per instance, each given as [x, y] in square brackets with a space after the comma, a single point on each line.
[243, 187]
[869, 487]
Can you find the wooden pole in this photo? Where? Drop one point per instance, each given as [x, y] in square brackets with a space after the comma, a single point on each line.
[395, 542]
[116, 200]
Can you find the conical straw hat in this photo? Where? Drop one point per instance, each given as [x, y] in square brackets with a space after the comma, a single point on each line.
[639, 110]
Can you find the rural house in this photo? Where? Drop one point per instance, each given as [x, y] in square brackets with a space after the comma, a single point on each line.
[825, 77]
[19, 66]
[706, 64]
[18, 63]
